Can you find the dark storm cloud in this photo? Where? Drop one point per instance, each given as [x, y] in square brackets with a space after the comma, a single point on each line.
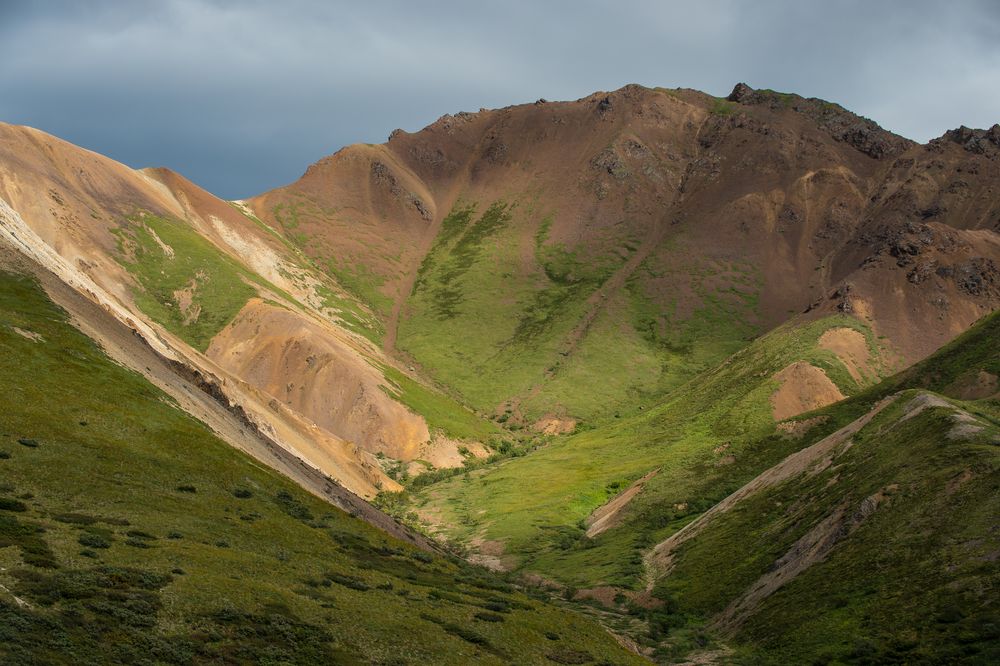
[241, 96]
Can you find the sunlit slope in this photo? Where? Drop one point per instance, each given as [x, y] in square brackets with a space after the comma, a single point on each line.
[874, 543]
[567, 260]
[228, 299]
[880, 548]
[707, 436]
[128, 532]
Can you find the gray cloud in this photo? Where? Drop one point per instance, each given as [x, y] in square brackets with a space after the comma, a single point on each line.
[242, 96]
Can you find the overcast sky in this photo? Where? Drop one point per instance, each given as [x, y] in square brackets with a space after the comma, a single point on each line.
[241, 96]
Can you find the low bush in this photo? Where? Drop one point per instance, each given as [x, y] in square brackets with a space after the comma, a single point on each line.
[92, 540]
[8, 504]
[489, 617]
[75, 518]
[348, 581]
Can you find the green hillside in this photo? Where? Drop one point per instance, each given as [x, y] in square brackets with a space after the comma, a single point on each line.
[130, 534]
[506, 317]
[896, 541]
[912, 580]
[536, 504]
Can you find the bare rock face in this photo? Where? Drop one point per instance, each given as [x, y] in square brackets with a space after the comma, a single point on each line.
[861, 133]
[744, 94]
[299, 363]
[979, 141]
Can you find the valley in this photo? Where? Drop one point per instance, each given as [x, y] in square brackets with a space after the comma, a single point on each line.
[647, 375]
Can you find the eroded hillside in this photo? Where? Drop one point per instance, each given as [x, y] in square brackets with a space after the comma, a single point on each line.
[129, 533]
[640, 352]
[504, 249]
[197, 278]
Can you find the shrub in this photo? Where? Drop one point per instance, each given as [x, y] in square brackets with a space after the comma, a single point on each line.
[94, 540]
[8, 504]
[186, 489]
[242, 493]
[497, 606]
[75, 518]
[466, 634]
[292, 506]
[349, 582]
[139, 534]
[4, 455]
[489, 617]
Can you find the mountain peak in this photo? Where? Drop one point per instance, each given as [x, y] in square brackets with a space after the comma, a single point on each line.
[843, 125]
[980, 141]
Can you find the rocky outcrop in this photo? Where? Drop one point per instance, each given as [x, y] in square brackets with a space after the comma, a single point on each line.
[861, 133]
[979, 141]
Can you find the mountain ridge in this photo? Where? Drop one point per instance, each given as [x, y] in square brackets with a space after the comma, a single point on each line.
[516, 322]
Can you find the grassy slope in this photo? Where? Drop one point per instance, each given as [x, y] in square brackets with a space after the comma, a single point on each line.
[441, 411]
[911, 587]
[132, 533]
[350, 273]
[222, 286]
[494, 325]
[347, 308]
[219, 286]
[536, 503]
[915, 583]
[918, 584]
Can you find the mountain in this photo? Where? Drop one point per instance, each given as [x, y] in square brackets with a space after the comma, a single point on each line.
[502, 248]
[198, 278]
[130, 533]
[704, 372]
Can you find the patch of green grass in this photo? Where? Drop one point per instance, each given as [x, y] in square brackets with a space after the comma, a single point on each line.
[718, 317]
[361, 282]
[721, 107]
[187, 284]
[535, 503]
[906, 582]
[441, 411]
[211, 586]
[351, 315]
[457, 249]
[492, 323]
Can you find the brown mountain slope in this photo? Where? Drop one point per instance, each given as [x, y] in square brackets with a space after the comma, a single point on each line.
[185, 270]
[679, 223]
